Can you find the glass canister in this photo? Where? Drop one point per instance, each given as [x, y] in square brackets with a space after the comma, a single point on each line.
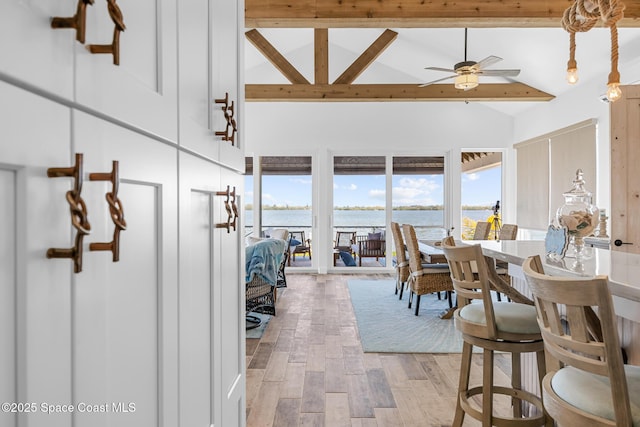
[579, 215]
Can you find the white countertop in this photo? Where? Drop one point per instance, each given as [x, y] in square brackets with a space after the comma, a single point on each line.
[623, 269]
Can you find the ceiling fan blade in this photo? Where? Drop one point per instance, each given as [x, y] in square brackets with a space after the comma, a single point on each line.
[436, 81]
[440, 69]
[500, 73]
[489, 60]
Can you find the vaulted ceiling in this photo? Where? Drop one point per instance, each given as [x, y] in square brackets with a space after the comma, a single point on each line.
[425, 33]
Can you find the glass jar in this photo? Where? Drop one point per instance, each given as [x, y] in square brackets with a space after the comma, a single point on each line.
[579, 215]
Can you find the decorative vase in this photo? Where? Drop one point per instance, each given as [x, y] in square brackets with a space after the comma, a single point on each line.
[579, 215]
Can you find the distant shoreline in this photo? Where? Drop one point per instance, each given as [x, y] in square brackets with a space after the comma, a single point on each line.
[370, 208]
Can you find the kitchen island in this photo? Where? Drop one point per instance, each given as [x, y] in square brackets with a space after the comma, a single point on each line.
[622, 269]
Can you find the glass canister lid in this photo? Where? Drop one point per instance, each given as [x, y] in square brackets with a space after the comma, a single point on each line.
[578, 192]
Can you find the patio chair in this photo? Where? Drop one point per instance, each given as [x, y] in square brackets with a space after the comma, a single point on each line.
[303, 248]
[372, 245]
[345, 241]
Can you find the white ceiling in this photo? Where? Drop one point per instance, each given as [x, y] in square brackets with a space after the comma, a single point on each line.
[540, 53]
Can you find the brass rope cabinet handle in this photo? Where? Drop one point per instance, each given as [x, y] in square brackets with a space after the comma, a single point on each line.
[229, 133]
[116, 211]
[77, 21]
[114, 48]
[78, 211]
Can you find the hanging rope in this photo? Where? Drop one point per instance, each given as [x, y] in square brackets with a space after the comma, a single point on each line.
[583, 15]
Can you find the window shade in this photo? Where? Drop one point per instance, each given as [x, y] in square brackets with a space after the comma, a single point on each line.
[533, 185]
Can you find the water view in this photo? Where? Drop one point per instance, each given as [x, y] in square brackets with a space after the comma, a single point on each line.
[428, 223]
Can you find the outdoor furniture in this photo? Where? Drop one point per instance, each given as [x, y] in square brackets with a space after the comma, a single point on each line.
[508, 232]
[424, 278]
[493, 326]
[372, 245]
[587, 382]
[304, 246]
[345, 241]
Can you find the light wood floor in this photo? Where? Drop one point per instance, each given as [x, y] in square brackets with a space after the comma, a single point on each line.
[308, 369]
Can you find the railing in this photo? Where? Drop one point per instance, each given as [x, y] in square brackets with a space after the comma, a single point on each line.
[422, 232]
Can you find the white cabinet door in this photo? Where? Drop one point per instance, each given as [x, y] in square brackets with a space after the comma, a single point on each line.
[229, 266]
[211, 300]
[199, 296]
[31, 51]
[227, 71]
[196, 98]
[124, 318]
[35, 291]
[142, 90]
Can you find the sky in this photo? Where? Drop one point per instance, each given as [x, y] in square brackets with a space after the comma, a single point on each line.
[478, 189]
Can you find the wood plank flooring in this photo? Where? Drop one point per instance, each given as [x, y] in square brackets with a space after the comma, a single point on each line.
[308, 369]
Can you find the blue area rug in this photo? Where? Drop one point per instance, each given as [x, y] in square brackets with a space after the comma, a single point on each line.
[257, 332]
[386, 325]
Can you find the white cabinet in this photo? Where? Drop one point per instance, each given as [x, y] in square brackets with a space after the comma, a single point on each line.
[142, 90]
[211, 342]
[211, 38]
[31, 50]
[34, 346]
[125, 313]
[156, 338]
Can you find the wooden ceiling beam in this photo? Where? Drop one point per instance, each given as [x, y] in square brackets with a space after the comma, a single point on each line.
[275, 57]
[367, 57]
[414, 14]
[486, 92]
[321, 55]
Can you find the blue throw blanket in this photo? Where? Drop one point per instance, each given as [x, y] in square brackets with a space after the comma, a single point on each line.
[263, 259]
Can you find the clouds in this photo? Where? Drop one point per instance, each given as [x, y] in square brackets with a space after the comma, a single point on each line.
[409, 190]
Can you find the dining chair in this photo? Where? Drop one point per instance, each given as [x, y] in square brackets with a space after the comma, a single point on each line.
[493, 326]
[402, 263]
[587, 382]
[424, 278]
[508, 232]
[482, 230]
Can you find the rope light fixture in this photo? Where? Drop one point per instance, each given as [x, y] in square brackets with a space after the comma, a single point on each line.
[582, 16]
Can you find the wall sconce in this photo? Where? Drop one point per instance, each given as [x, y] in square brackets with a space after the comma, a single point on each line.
[581, 16]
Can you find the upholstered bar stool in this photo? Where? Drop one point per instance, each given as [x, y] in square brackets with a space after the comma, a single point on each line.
[493, 326]
[587, 383]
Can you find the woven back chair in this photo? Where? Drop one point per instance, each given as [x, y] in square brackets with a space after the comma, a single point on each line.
[587, 382]
[402, 263]
[482, 230]
[423, 279]
[508, 232]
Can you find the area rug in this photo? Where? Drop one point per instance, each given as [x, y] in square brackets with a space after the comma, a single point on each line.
[386, 325]
[257, 332]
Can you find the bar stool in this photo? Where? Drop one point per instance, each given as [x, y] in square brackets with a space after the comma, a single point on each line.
[587, 384]
[493, 326]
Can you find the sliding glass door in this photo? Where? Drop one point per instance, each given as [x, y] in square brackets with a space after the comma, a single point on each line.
[481, 191]
[418, 195]
[359, 199]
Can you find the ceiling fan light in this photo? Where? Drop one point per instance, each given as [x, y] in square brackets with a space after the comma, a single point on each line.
[466, 81]
[572, 76]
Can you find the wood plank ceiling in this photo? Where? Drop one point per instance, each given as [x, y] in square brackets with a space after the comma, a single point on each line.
[325, 14]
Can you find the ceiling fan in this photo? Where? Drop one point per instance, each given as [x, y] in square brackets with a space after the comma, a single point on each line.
[467, 72]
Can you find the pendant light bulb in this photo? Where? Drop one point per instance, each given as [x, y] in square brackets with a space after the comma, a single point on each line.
[572, 76]
[613, 92]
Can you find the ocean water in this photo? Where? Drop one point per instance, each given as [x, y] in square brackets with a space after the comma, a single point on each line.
[428, 224]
